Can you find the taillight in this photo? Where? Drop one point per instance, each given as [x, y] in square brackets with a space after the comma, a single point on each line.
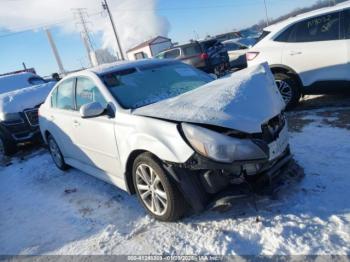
[251, 55]
[204, 56]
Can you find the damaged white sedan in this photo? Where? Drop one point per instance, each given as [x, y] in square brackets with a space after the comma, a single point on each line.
[169, 133]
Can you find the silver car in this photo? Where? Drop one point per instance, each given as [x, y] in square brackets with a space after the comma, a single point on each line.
[167, 131]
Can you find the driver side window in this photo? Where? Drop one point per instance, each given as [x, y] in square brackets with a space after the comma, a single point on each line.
[87, 92]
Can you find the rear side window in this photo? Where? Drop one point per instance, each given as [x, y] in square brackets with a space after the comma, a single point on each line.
[262, 36]
[64, 96]
[347, 23]
[172, 53]
[192, 50]
[320, 28]
[88, 92]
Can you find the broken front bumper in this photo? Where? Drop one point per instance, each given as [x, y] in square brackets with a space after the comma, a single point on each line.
[204, 182]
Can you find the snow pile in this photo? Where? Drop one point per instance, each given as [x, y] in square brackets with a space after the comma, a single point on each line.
[53, 212]
[242, 101]
[29, 97]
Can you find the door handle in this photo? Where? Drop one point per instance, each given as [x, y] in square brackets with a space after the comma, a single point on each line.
[292, 53]
[76, 123]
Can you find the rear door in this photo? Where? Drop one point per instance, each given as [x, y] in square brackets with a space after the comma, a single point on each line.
[94, 137]
[315, 50]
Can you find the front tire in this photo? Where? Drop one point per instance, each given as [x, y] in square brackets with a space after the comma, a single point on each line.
[289, 89]
[56, 154]
[156, 192]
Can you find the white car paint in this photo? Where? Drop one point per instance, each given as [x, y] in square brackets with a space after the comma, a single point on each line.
[101, 146]
[312, 61]
[104, 144]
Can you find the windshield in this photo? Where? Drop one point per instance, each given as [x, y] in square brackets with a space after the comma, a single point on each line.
[134, 88]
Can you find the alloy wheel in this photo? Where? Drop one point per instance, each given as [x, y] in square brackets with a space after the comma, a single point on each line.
[151, 190]
[55, 153]
[285, 90]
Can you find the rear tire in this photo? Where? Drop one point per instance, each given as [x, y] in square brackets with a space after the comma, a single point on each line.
[155, 190]
[56, 154]
[289, 89]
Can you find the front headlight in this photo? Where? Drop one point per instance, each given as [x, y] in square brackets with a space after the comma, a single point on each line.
[220, 147]
[10, 116]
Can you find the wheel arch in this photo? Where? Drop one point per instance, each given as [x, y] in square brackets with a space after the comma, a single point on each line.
[128, 170]
[278, 68]
[46, 135]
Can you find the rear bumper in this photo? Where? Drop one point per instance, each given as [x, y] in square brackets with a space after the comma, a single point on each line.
[205, 183]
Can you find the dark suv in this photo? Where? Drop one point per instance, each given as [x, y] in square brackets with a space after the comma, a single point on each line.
[208, 55]
[20, 96]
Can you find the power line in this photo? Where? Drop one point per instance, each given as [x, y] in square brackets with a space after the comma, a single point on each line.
[43, 25]
[80, 14]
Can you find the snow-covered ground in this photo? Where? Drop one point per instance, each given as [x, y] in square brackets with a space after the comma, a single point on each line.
[47, 211]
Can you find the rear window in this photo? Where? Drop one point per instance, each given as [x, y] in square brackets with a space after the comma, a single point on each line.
[211, 43]
[192, 50]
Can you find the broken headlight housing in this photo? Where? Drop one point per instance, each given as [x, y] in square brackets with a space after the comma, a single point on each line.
[220, 147]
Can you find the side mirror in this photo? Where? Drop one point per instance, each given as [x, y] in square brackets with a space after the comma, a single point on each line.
[91, 110]
[213, 76]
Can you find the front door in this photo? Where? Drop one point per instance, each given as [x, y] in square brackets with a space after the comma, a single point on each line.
[60, 115]
[94, 137]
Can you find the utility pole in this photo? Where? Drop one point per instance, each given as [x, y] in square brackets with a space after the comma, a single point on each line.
[80, 14]
[54, 50]
[267, 17]
[106, 7]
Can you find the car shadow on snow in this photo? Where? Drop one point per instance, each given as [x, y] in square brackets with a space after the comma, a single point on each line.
[310, 102]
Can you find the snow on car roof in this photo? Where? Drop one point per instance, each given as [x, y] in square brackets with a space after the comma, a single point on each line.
[120, 65]
[291, 20]
[14, 81]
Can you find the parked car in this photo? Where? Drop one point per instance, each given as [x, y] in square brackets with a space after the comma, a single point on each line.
[308, 53]
[20, 96]
[208, 55]
[237, 53]
[167, 131]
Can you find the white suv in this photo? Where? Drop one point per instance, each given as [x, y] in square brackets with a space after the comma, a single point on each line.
[309, 53]
[167, 132]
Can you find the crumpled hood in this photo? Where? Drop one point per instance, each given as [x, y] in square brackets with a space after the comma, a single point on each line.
[29, 97]
[242, 101]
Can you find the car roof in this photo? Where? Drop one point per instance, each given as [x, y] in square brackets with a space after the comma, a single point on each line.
[121, 65]
[281, 25]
